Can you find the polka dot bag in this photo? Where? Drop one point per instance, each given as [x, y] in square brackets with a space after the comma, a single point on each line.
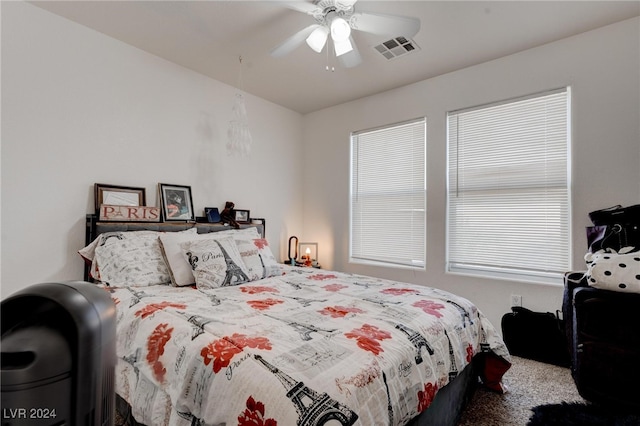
[617, 271]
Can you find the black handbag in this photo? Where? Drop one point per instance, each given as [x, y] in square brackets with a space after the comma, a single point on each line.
[614, 228]
[536, 335]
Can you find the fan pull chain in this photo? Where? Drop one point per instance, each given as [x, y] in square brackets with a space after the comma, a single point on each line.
[327, 68]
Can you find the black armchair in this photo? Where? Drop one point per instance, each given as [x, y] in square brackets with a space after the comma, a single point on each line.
[603, 332]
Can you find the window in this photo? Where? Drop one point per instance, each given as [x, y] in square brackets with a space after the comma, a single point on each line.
[388, 193]
[508, 188]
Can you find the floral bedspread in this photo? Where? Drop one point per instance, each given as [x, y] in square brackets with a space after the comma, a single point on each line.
[304, 348]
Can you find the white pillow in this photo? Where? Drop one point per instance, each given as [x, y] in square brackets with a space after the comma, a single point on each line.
[215, 262]
[116, 256]
[179, 269]
[131, 258]
[609, 270]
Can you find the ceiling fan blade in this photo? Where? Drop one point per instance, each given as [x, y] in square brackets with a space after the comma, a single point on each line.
[389, 25]
[302, 6]
[352, 58]
[345, 4]
[290, 44]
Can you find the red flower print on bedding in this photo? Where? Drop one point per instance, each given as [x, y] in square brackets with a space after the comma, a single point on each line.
[429, 307]
[265, 304]
[339, 311]
[334, 287]
[322, 277]
[155, 349]
[258, 289]
[260, 243]
[399, 291]
[426, 397]
[152, 308]
[253, 415]
[368, 337]
[220, 352]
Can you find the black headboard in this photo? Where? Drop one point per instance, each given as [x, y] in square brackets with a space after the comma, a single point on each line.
[95, 227]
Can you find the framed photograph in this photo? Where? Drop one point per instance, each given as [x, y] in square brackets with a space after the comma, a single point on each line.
[212, 214]
[176, 202]
[115, 195]
[241, 216]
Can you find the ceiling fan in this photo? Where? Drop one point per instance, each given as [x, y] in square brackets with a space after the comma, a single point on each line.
[334, 21]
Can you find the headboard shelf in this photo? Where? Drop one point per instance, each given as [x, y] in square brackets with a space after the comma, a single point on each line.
[95, 227]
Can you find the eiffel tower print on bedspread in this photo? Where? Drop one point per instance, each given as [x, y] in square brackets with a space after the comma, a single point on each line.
[313, 408]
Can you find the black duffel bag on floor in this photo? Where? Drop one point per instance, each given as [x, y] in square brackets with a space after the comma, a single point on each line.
[536, 335]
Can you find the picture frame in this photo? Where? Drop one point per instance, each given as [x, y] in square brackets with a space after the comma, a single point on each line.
[117, 195]
[241, 216]
[212, 214]
[176, 203]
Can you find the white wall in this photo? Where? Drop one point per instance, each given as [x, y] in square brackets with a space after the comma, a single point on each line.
[603, 69]
[79, 107]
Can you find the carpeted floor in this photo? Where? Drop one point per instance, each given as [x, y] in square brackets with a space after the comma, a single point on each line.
[529, 384]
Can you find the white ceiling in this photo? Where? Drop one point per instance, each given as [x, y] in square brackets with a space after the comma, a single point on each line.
[210, 36]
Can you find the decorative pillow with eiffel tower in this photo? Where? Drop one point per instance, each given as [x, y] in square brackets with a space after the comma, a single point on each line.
[179, 268]
[215, 262]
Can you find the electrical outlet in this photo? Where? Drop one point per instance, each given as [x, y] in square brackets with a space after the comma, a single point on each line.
[516, 300]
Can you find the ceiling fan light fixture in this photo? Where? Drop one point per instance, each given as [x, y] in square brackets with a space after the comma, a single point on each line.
[340, 30]
[342, 47]
[318, 38]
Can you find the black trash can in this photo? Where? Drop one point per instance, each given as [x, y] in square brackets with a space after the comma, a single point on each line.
[58, 356]
[36, 377]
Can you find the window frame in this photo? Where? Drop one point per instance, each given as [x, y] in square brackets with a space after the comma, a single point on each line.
[367, 259]
[514, 273]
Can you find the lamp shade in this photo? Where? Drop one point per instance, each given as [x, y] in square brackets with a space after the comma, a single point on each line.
[342, 47]
[318, 38]
[340, 30]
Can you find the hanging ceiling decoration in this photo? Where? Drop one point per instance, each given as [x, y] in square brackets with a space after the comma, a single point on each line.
[239, 136]
[334, 21]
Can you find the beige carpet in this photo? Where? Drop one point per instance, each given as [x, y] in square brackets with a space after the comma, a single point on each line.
[529, 384]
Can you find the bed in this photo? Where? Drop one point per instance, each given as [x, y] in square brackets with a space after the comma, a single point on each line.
[252, 341]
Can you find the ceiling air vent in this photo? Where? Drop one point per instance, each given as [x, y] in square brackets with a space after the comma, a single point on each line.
[395, 47]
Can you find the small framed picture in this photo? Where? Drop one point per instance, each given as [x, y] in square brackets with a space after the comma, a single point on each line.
[241, 216]
[115, 195]
[176, 202]
[212, 214]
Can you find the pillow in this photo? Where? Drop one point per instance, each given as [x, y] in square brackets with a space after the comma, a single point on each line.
[257, 256]
[609, 270]
[131, 258]
[179, 268]
[116, 256]
[215, 262]
[88, 253]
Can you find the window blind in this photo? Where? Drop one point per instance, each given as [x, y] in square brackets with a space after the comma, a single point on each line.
[388, 193]
[508, 188]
